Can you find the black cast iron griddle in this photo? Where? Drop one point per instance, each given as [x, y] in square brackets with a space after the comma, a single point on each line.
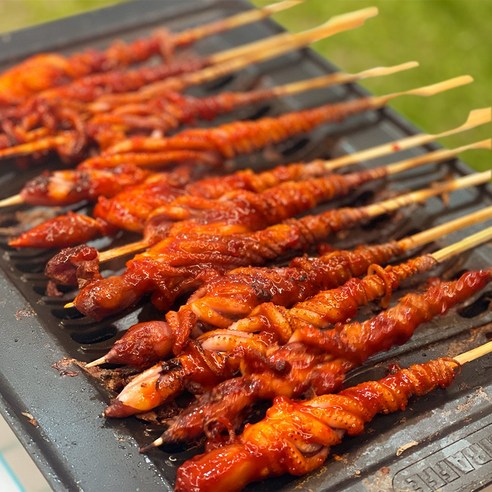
[77, 449]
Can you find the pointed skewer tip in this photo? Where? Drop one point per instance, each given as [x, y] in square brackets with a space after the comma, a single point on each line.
[152, 445]
[97, 362]
[10, 201]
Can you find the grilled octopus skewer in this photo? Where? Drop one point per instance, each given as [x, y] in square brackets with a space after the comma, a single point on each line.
[245, 290]
[214, 146]
[235, 212]
[65, 100]
[296, 437]
[310, 369]
[71, 186]
[240, 58]
[307, 351]
[181, 263]
[45, 71]
[161, 114]
[239, 212]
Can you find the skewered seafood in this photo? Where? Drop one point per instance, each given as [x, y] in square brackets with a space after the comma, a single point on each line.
[239, 212]
[217, 65]
[307, 368]
[236, 212]
[180, 263]
[243, 292]
[214, 146]
[73, 133]
[57, 188]
[48, 70]
[296, 437]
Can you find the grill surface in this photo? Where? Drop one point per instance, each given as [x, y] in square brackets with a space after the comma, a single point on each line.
[79, 450]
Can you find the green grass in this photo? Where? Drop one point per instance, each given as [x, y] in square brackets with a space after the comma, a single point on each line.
[15, 14]
[447, 37]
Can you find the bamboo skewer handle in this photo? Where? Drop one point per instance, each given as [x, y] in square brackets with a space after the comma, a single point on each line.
[340, 78]
[122, 250]
[11, 201]
[426, 91]
[229, 23]
[438, 155]
[422, 195]
[437, 232]
[473, 354]
[466, 244]
[476, 117]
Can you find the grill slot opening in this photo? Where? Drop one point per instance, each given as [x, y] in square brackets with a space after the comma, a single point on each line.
[480, 306]
[67, 314]
[96, 336]
[254, 114]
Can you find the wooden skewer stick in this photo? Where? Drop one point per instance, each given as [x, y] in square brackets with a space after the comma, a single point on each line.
[333, 26]
[97, 362]
[11, 201]
[425, 237]
[122, 250]
[476, 117]
[419, 196]
[436, 156]
[426, 91]
[238, 58]
[465, 244]
[411, 163]
[50, 142]
[473, 354]
[340, 78]
[229, 23]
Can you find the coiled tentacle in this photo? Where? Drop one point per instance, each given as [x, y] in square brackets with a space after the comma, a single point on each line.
[296, 437]
[193, 254]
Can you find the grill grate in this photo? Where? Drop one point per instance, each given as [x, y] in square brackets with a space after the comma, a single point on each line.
[79, 450]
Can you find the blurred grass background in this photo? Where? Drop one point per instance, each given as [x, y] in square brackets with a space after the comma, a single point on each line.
[447, 37]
